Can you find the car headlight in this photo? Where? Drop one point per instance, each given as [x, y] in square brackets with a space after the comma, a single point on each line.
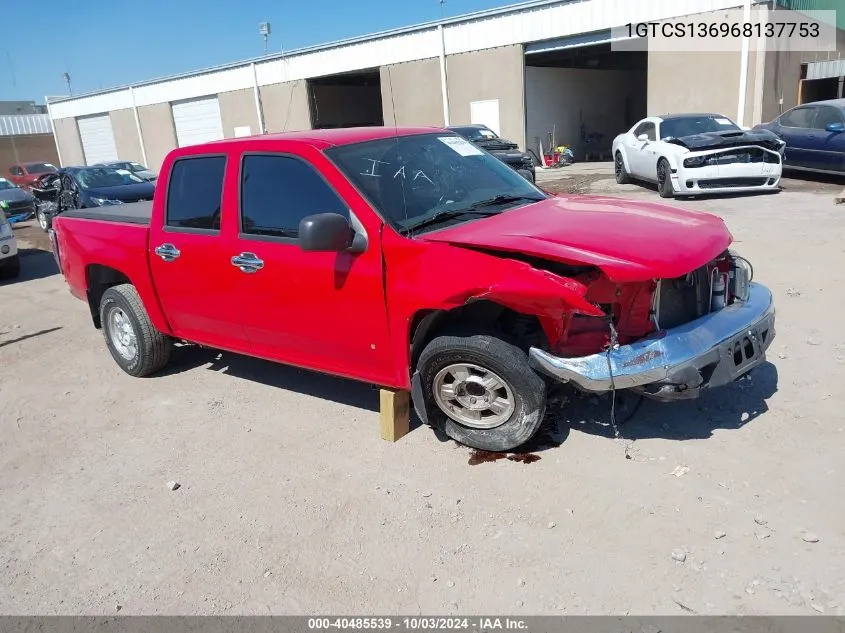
[5, 228]
[695, 161]
[105, 201]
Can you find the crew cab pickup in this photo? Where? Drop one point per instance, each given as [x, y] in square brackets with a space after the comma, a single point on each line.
[412, 259]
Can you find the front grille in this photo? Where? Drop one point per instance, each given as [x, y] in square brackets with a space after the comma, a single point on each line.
[718, 183]
[683, 299]
[746, 155]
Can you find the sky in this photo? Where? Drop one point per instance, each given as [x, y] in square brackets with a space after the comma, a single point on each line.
[102, 43]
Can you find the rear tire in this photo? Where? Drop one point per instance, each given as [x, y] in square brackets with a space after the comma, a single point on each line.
[664, 179]
[136, 346]
[461, 375]
[10, 268]
[622, 176]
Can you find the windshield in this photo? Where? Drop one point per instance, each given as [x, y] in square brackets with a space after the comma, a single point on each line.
[5, 184]
[687, 126]
[412, 178]
[39, 168]
[97, 177]
[476, 133]
[137, 167]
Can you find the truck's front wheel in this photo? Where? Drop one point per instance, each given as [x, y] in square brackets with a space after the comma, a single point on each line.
[480, 391]
[133, 341]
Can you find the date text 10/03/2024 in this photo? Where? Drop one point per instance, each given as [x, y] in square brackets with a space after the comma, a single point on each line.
[723, 29]
[417, 624]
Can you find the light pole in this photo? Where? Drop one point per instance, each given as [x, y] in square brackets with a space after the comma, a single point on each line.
[66, 77]
[264, 31]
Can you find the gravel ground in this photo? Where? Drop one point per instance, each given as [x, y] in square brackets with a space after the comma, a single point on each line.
[290, 503]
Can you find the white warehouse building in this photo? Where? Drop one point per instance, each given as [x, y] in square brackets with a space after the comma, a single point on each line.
[527, 71]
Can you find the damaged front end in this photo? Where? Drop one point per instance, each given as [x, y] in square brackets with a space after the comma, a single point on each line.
[668, 338]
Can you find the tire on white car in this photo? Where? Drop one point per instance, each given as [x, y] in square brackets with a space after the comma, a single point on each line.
[664, 179]
[619, 169]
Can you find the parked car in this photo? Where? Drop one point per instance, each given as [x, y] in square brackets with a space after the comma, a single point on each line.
[10, 261]
[408, 259]
[695, 154]
[25, 174]
[17, 200]
[136, 168]
[814, 134]
[86, 187]
[503, 149]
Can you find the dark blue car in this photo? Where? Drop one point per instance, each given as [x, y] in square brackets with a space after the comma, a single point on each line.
[814, 135]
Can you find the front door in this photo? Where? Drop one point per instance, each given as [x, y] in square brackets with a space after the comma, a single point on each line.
[641, 156]
[828, 152]
[323, 311]
[189, 255]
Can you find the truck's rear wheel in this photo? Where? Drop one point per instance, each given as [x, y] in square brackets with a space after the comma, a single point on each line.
[133, 341]
[10, 268]
[480, 391]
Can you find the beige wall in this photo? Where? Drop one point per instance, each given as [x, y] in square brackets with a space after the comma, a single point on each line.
[783, 72]
[159, 133]
[285, 106]
[22, 149]
[237, 109]
[495, 73]
[126, 135]
[411, 93]
[70, 145]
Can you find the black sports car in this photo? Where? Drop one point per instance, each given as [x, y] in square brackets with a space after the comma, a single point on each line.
[503, 149]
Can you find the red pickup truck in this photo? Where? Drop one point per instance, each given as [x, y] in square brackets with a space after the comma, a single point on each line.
[411, 259]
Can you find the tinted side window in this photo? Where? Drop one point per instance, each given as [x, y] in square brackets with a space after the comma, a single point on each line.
[826, 115]
[194, 193]
[648, 129]
[278, 191]
[799, 117]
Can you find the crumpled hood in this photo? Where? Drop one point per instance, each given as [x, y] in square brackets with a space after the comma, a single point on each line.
[124, 193]
[720, 140]
[496, 144]
[629, 241]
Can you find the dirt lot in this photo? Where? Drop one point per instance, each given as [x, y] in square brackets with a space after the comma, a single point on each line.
[290, 503]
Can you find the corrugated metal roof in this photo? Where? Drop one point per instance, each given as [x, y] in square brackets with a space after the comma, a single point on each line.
[826, 69]
[21, 124]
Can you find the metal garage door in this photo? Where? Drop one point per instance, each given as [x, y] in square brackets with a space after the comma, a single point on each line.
[197, 121]
[97, 138]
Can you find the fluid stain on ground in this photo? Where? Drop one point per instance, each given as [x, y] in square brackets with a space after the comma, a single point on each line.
[544, 440]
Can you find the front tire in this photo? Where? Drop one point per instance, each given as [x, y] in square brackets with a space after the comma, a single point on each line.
[481, 392]
[11, 267]
[136, 346]
[44, 221]
[622, 176]
[664, 179]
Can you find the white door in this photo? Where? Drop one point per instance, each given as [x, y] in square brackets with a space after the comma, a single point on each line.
[197, 121]
[97, 138]
[485, 113]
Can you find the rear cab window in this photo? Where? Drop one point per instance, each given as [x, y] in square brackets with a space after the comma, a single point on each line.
[195, 194]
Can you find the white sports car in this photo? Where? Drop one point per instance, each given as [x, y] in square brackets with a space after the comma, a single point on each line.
[696, 154]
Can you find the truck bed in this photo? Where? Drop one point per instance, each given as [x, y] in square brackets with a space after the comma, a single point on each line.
[131, 213]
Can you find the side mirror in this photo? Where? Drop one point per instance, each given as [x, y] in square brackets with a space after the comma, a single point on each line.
[834, 128]
[325, 232]
[643, 137]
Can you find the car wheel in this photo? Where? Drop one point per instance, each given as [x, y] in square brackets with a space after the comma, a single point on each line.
[136, 346]
[44, 221]
[622, 176]
[664, 179]
[480, 391]
[11, 267]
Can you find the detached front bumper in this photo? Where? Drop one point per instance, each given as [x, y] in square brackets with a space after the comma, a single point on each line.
[677, 364]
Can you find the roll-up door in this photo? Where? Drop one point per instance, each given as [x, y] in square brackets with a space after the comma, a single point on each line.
[197, 121]
[97, 138]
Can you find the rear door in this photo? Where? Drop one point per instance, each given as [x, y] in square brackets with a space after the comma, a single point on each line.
[190, 252]
[324, 311]
[796, 128]
[827, 152]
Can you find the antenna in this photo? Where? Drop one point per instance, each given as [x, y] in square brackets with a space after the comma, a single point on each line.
[66, 77]
[264, 31]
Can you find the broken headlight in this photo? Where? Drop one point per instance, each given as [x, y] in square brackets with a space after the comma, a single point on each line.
[741, 274]
[695, 161]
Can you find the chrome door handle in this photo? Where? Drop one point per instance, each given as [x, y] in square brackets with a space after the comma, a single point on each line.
[248, 262]
[167, 252]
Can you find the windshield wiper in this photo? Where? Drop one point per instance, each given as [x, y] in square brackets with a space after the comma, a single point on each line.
[445, 214]
[502, 199]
